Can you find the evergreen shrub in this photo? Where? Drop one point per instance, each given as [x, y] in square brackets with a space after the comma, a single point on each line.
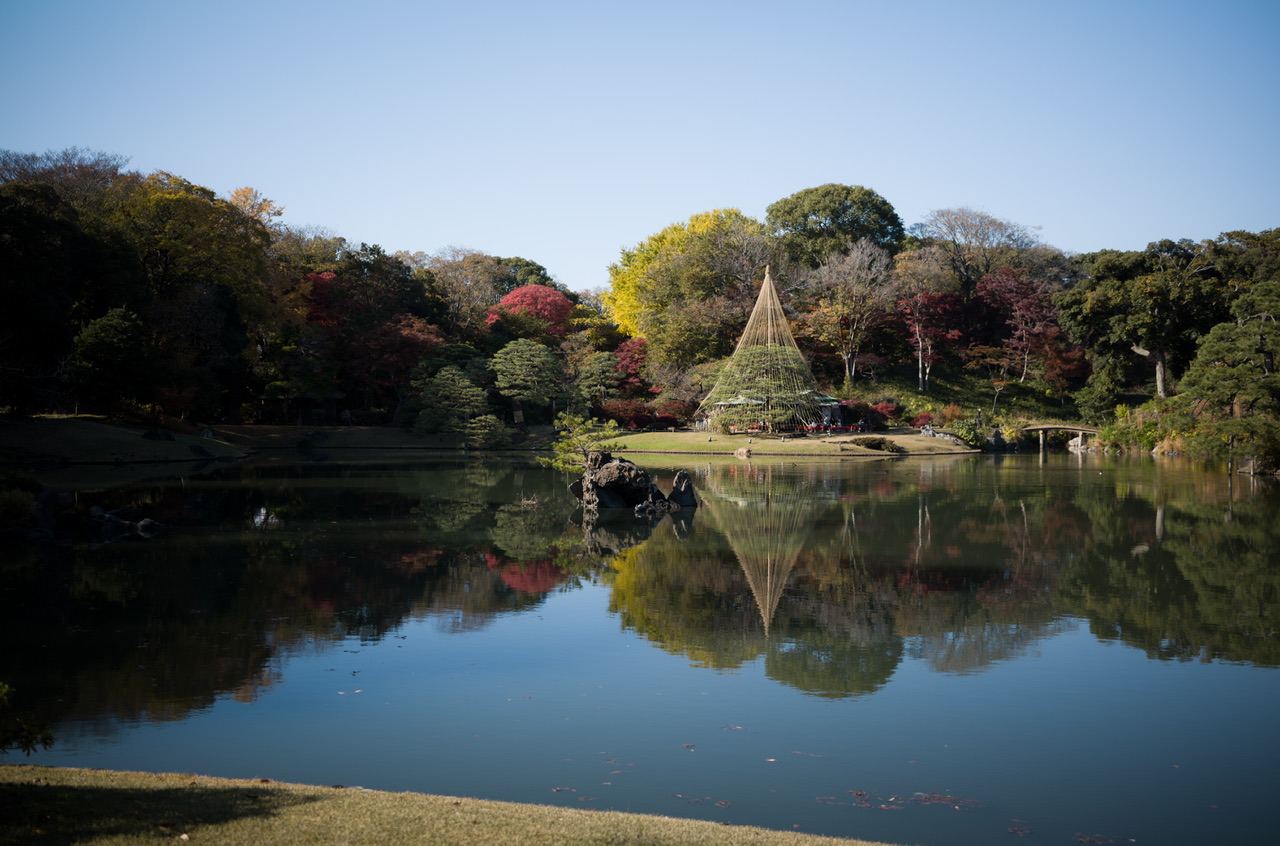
[968, 431]
[488, 432]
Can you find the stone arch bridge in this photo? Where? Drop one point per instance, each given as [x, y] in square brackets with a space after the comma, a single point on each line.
[1083, 432]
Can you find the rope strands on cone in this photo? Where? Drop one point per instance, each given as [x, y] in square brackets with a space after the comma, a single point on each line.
[766, 383]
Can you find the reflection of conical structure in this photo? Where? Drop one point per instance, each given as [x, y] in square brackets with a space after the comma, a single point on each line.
[766, 529]
[766, 381]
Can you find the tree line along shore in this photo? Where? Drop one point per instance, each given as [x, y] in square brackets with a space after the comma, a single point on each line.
[148, 298]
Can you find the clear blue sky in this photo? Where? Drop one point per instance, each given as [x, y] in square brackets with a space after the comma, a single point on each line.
[564, 131]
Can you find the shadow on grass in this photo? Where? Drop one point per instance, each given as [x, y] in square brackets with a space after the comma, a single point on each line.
[41, 812]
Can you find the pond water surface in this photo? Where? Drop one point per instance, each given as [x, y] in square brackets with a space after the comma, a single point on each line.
[953, 651]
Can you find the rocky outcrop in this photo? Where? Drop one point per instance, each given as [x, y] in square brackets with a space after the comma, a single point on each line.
[682, 491]
[613, 483]
[58, 521]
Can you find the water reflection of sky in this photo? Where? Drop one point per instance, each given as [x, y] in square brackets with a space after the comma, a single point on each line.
[559, 705]
[988, 703]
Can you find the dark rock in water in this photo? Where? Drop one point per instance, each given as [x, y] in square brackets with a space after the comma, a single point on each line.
[682, 491]
[609, 483]
[109, 526]
[148, 528]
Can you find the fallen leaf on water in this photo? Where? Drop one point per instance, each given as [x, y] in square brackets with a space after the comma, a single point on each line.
[943, 799]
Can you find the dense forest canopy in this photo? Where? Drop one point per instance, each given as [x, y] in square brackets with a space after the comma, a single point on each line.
[147, 295]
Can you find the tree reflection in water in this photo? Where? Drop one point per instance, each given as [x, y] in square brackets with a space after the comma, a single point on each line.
[829, 576]
[833, 582]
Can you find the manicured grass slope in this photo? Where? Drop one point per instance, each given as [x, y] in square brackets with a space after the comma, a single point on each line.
[56, 805]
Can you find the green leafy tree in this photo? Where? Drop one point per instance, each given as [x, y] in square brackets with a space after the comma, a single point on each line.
[818, 223]
[597, 378]
[1232, 389]
[449, 402]
[526, 371]
[112, 361]
[581, 436]
[1155, 305]
[488, 431]
[44, 257]
[204, 263]
[523, 271]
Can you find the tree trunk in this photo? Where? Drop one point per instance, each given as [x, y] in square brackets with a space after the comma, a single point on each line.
[1159, 358]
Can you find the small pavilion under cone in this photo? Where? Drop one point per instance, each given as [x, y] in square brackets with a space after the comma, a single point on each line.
[766, 383]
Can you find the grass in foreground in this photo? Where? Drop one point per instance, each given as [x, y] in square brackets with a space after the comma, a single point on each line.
[63, 805]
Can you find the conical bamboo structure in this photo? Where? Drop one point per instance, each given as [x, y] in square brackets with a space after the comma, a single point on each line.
[766, 382]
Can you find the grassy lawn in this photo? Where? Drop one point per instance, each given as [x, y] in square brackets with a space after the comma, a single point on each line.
[838, 446]
[92, 439]
[57, 805]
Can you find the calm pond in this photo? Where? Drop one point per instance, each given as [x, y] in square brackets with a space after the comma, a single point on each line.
[948, 651]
